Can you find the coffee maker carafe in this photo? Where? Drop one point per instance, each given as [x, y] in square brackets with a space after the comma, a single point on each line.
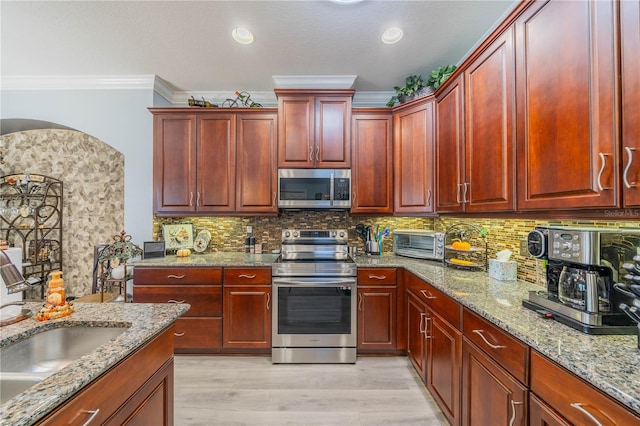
[586, 289]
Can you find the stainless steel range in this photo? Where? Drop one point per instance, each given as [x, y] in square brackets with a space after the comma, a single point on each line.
[314, 299]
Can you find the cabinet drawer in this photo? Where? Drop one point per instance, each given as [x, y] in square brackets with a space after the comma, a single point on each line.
[373, 276]
[205, 300]
[198, 333]
[247, 276]
[439, 302]
[503, 348]
[154, 276]
[570, 396]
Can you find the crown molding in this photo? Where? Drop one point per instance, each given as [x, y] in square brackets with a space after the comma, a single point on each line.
[314, 81]
[180, 98]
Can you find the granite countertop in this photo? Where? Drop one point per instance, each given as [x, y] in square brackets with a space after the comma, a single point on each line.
[610, 363]
[210, 259]
[143, 321]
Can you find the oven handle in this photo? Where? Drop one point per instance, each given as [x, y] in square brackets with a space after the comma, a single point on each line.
[314, 281]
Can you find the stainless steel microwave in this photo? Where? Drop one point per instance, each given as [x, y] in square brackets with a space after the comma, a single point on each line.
[418, 243]
[314, 188]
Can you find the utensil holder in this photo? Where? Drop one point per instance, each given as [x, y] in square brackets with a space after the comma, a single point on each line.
[373, 247]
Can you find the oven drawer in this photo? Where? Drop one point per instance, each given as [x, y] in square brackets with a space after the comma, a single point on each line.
[188, 275]
[373, 276]
[247, 276]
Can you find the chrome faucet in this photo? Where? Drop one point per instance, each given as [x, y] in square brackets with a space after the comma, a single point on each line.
[15, 282]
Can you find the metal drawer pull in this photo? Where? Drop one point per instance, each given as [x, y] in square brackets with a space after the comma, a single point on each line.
[603, 158]
[427, 295]
[268, 301]
[491, 345]
[580, 407]
[179, 334]
[247, 276]
[175, 301]
[93, 413]
[625, 174]
[377, 277]
[359, 302]
[178, 277]
[513, 411]
[422, 314]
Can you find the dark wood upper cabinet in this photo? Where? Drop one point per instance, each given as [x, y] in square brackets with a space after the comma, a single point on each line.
[413, 161]
[567, 105]
[372, 165]
[450, 186]
[256, 177]
[489, 143]
[630, 48]
[314, 128]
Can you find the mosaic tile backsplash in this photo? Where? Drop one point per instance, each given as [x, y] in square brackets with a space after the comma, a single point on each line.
[93, 176]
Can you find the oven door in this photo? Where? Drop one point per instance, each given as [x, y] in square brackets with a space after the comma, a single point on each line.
[314, 312]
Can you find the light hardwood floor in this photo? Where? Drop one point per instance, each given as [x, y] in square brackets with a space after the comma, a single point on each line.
[223, 390]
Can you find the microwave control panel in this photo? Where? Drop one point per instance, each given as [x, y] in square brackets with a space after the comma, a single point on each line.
[342, 189]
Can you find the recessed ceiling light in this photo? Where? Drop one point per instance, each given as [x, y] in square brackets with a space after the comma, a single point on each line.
[242, 35]
[392, 35]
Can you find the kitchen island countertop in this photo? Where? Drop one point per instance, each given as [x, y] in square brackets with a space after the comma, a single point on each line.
[143, 322]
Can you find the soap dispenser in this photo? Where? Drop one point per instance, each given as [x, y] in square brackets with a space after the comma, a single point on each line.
[55, 293]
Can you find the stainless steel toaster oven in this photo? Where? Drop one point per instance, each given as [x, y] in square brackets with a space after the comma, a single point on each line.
[418, 243]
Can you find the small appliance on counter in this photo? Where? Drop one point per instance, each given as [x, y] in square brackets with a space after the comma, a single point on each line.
[588, 277]
[418, 243]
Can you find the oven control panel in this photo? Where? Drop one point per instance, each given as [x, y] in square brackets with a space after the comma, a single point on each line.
[315, 236]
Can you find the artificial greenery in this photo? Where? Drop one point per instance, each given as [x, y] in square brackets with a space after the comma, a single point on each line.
[440, 75]
[412, 85]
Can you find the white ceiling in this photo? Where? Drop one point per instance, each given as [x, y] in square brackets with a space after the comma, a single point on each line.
[188, 43]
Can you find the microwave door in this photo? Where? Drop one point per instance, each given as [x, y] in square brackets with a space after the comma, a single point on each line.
[304, 192]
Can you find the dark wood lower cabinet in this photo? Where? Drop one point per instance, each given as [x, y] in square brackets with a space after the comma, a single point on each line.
[247, 317]
[540, 414]
[490, 395]
[377, 318]
[416, 343]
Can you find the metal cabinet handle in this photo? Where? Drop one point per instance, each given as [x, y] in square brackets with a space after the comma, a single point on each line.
[458, 193]
[198, 199]
[603, 158]
[247, 276]
[360, 302]
[377, 277]
[179, 334]
[311, 154]
[625, 174]
[93, 413]
[268, 301]
[275, 197]
[427, 327]
[579, 406]
[467, 188]
[317, 153]
[427, 295]
[191, 199]
[175, 301]
[178, 277]
[491, 345]
[428, 197]
[422, 315]
[513, 411]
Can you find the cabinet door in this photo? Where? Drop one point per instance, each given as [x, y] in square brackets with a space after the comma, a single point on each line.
[490, 128]
[256, 163]
[377, 317]
[566, 102]
[174, 163]
[296, 131]
[490, 395]
[332, 132]
[416, 344]
[444, 361]
[216, 158]
[413, 159]
[247, 317]
[630, 45]
[451, 192]
[372, 172]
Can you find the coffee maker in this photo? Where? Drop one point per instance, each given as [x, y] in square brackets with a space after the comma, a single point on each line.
[583, 267]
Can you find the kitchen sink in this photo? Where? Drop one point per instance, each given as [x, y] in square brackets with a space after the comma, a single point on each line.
[28, 361]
